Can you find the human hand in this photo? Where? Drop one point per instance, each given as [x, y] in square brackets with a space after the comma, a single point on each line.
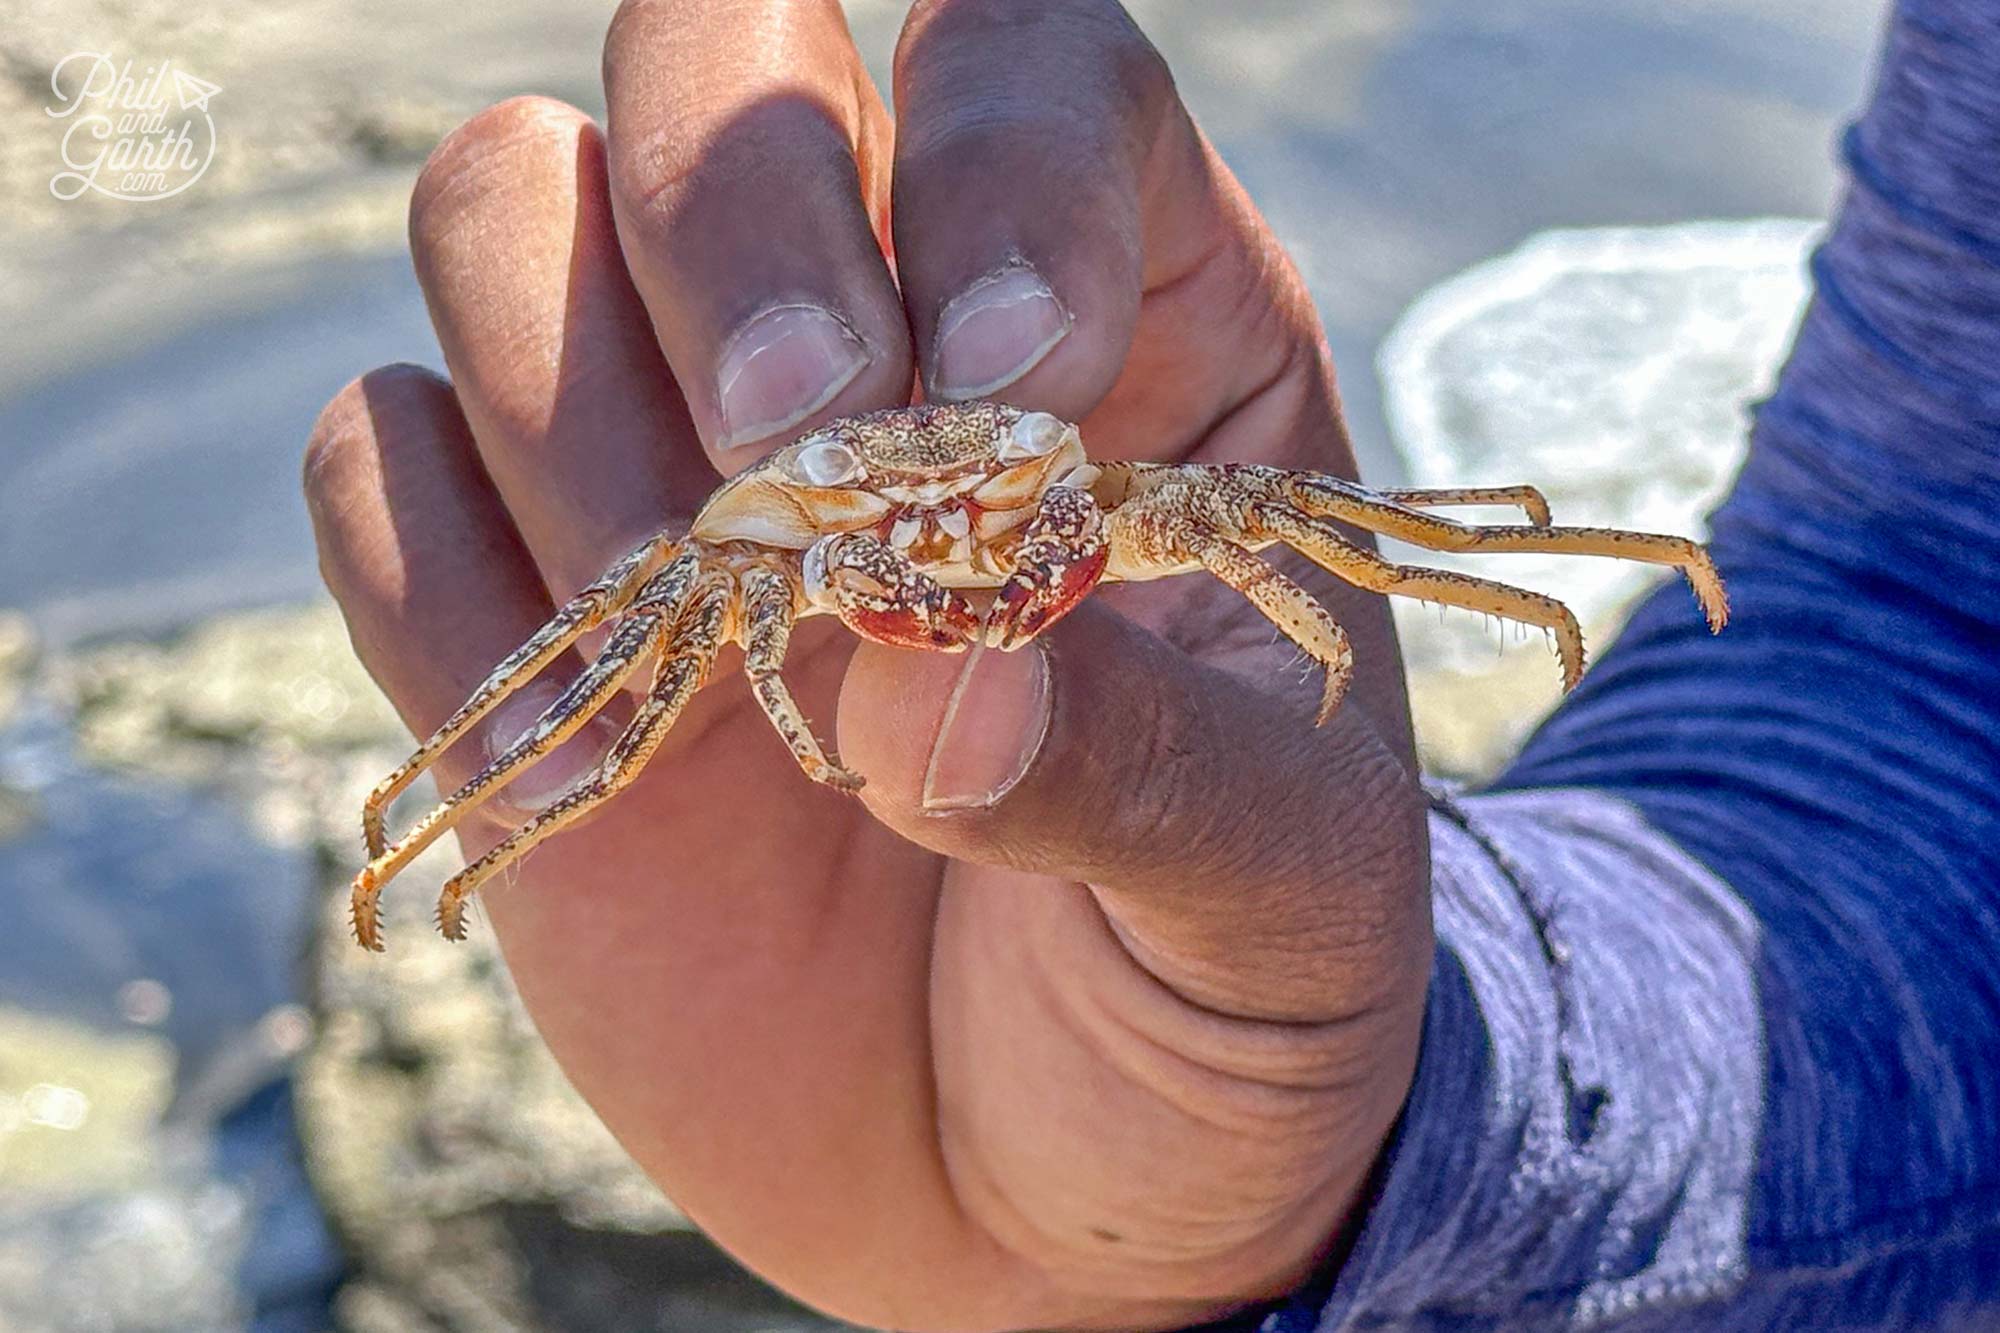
[1113, 1048]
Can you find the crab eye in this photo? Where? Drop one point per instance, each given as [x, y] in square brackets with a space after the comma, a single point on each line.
[1035, 434]
[826, 463]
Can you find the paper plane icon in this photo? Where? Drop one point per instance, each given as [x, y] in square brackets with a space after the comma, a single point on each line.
[194, 93]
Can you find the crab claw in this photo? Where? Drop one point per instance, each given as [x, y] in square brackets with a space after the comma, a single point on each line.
[945, 624]
[1061, 557]
[1032, 600]
[880, 595]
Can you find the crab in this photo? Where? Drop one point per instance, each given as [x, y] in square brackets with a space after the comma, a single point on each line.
[894, 522]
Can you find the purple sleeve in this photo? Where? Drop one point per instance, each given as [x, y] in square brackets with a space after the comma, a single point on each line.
[1714, 1037]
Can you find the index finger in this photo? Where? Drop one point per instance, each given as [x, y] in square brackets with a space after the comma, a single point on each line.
[1068, 239]
[749, 177]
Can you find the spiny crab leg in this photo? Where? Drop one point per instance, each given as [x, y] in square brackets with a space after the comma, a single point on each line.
[1298, 616]
[586, 611]
[1317, 540]
[653, 611]
[762, 603]
[674, 683]
[1162, 531]
[1329, 497]
[684, 663]
[684, 613]
[623, 654]
[770, 605]
[1527, 499]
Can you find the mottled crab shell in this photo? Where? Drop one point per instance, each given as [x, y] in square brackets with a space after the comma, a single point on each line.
[859, 473]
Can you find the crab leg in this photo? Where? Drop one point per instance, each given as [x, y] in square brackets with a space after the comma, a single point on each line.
[1328, 497]
[1060, 558]
[626, 650]
[1317, 540]
[1161, 531]
[770, 602]
[1524, 498]
[682, 669]
[675, 681]
[1288, 606]
[581, 614]
[657, 607]
[1156, 538]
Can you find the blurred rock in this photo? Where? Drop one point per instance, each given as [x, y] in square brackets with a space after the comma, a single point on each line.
[399, 129]
[470, 1186]
[270, 706]
[1612, 368]
[76, 1103]
[473, 1186]
[18, 650]
[283, 679]
[160, 1258]
[103, 1226]
[149, 1164]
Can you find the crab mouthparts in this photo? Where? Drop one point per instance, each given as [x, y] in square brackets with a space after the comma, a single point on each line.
[930, 534]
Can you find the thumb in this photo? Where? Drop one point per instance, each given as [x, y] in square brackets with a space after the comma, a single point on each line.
[1255, 864]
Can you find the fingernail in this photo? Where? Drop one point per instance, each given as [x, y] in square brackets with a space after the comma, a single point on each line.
[536, 786]
[780, 368]
[994, 332]
[994, 725]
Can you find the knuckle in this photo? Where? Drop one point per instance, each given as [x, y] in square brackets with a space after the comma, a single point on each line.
[341, 427]
[366, 410]
[688, 169]
[1076, 77]
[1062, 39]
[702, 134]
[618, 34]
[1127, 58]
[468, 160]
[630, 32]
